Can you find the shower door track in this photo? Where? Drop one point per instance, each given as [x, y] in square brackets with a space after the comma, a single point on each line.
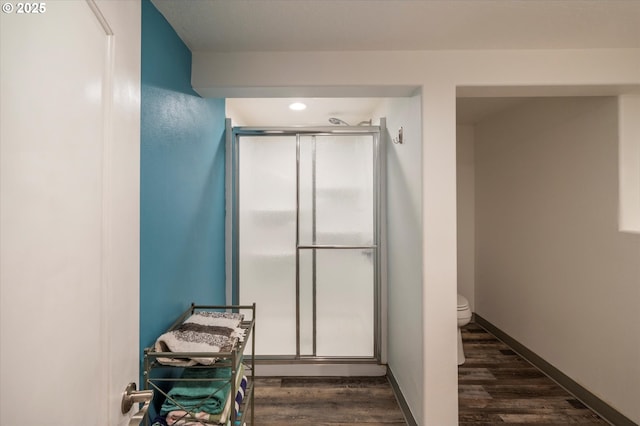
[376, 132]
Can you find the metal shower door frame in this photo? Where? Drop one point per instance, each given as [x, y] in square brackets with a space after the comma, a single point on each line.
[376, 133]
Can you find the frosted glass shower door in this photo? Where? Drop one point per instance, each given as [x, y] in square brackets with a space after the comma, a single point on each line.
[337, 245]
[306, 241]
[267, 238]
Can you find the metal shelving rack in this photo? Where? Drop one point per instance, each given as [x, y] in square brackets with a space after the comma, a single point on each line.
[233, 359]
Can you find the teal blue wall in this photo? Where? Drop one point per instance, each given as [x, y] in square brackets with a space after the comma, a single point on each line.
[181, 184]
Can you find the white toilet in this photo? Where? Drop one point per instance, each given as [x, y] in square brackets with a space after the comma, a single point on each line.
[464, 316]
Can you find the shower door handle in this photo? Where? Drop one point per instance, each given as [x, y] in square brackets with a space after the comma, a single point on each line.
[131, 396]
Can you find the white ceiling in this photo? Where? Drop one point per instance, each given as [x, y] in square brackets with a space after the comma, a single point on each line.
[333, 25]
[276, 112]
[328, 25]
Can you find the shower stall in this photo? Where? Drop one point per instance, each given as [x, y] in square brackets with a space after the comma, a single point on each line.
[306, 246]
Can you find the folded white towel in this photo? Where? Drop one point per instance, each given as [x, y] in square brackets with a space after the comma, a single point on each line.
[202, 332]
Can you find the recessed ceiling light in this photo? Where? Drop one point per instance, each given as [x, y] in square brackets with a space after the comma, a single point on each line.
[297, 106]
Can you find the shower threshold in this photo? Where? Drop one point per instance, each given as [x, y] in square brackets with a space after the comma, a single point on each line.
[308, 368]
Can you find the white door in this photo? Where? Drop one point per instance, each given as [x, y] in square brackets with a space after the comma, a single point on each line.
[69, 210]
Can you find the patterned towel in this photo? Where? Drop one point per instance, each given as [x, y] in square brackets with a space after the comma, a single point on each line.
[201, 332]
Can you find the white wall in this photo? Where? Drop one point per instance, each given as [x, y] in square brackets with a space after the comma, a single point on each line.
[553, 271]
[440, 76]
[466, 212]
[404, 247]
[629, 160]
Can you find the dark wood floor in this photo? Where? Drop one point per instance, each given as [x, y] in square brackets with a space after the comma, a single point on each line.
[496, 386]
[326, 401]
